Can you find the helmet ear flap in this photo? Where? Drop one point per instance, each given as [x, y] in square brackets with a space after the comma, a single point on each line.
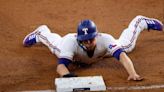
[81, 45]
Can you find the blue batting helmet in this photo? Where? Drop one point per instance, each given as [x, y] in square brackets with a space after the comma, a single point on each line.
[86, 30]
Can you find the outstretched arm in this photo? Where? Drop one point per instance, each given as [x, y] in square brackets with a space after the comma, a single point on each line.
[62, 69]
[127, 63]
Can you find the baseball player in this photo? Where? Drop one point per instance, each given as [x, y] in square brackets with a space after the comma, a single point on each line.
[88, 45]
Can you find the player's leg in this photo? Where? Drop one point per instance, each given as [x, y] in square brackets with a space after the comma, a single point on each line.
[43, 34]
[130, 35]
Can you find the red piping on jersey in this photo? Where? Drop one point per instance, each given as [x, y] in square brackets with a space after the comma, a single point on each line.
[134, 33]
[52, 46]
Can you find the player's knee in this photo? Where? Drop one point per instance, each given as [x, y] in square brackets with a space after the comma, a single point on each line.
[139, 16]
[43, 27]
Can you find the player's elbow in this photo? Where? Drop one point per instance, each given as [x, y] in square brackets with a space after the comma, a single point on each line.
[124, 58]
[62, 69]
[117, 53]
[58, 68]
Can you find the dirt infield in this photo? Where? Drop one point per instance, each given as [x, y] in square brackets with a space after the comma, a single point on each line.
[34, 68]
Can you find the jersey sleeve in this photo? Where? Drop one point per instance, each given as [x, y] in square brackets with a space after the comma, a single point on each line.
[67, 48]
[112, 45]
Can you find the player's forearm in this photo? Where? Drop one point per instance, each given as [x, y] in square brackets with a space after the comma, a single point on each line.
[62, 70]
[127, 63]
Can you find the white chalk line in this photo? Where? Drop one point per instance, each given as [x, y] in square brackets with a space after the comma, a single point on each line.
[144, 87]
[136, 87]
[38, 91]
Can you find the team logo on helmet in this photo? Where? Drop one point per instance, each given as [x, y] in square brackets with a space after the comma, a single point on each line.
[85, 31]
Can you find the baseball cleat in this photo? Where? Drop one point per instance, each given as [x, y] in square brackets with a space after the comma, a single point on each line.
[30, 39]
[154, 24]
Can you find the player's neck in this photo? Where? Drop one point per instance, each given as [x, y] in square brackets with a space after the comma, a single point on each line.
[90, 53]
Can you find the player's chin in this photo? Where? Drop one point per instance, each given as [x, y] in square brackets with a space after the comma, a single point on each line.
[90, 48]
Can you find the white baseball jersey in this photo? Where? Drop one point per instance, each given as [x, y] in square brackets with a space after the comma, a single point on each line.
[67, 46]
[70, 49]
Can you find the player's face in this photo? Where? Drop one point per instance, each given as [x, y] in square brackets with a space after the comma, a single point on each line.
[89, 44]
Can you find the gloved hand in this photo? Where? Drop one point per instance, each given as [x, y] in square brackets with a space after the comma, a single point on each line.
[69, 75]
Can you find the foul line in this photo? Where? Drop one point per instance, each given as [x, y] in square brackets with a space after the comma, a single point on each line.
[38, 91]
[115, 88]
[136, 87]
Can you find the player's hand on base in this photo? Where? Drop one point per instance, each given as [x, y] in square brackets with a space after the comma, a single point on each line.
[69, 75]
[135, 77]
